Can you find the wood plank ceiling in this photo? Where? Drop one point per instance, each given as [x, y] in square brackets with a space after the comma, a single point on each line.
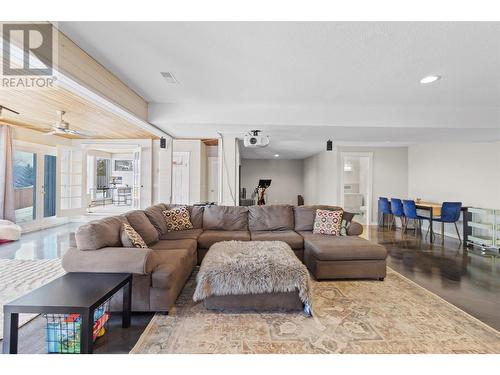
[38, 108]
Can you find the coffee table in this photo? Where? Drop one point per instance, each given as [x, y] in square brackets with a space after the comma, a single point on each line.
[74, 293]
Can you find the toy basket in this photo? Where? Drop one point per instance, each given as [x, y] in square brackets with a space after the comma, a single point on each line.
[63, 330]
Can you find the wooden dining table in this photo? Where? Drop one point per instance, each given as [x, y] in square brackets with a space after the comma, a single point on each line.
[434, 210]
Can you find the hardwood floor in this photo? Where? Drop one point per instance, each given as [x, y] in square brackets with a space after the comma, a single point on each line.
[465, 278]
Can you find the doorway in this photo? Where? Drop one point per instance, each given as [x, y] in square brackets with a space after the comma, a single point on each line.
[113, 178]
[34, 182]
[180, 177]
[213, 179]
[356, 185]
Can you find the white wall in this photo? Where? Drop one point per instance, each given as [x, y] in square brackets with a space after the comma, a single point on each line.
[320, 178]
[286, 175]
[162, 172]
[465, 172]
[322, 175]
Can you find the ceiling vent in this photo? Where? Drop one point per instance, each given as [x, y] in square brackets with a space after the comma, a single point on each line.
[169, 77]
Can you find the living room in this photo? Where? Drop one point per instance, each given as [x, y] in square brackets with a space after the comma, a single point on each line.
[262, 187]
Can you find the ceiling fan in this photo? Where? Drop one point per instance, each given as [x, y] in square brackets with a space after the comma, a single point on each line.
[61, 127]
[8, 109]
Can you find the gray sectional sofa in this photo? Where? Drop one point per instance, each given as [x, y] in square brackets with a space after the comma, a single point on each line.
[161, 270]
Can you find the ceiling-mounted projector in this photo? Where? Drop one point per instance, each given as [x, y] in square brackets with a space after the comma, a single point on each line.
[253, 139]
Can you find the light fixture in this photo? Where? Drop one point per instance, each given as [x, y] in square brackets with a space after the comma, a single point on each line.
[276, 155]
[430, 79]
[329, 145]
[347, 167]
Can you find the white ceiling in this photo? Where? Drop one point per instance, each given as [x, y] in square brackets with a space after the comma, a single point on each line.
[305, 82]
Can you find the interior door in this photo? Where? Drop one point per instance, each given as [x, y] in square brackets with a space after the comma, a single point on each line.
[180, 178]
[71, 181]
[213, 178]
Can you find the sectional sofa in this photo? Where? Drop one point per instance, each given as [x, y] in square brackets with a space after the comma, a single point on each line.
[161, 271]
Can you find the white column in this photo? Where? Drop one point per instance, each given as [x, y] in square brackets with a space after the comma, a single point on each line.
[229, 157]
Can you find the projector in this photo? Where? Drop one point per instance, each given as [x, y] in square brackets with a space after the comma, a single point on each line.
[253, 139]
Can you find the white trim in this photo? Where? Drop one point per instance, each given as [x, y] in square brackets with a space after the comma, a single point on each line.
[369, 205]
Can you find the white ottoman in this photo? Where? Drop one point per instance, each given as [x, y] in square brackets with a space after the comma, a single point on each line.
[9, 231]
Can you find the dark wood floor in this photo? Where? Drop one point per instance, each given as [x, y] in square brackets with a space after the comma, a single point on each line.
[465, 278]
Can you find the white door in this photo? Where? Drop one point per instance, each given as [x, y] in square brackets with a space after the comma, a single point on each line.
[137, 179]
[71, 181]
[180, 177]
[213, 179]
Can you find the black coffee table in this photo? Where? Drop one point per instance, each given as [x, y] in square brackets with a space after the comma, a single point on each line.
[74, 293]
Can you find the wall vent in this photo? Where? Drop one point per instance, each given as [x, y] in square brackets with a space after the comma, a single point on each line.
[169, 77]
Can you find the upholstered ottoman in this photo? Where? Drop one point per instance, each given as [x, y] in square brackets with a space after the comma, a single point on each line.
[343, 257]
[9, 231]
[253, 275]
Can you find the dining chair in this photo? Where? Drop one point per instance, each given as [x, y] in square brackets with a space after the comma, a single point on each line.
[397, 211]
[410, 212]
[450, 213]
[384, 208]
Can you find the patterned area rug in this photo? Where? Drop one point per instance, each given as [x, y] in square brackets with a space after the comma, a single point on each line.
[18, 277]
[394, 316]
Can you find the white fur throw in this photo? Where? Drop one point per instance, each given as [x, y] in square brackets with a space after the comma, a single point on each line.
[251, 267]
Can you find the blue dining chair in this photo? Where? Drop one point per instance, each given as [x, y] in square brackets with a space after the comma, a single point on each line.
[397, 211]
[384, 208]
[410, 212]
[450, 213]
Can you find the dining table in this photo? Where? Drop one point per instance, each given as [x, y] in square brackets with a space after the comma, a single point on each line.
[434, 210]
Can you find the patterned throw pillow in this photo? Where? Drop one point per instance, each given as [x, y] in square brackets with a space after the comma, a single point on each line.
[328, 222]
[130, 238]
[177, 219]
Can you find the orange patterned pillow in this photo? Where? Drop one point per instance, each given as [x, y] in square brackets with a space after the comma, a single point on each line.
[130, 238]
[177, 219]
[328, 222]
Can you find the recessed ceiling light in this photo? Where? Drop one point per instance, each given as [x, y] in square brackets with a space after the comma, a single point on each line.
[430, 79]
[276, 155]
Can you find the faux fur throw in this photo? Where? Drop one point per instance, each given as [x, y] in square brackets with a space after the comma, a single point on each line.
[252, 267]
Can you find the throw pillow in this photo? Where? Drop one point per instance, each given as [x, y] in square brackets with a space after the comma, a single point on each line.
[130, 238]
[177, 219]
[328, 222]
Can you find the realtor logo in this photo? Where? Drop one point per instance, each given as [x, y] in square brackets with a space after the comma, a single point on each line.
[36, 43]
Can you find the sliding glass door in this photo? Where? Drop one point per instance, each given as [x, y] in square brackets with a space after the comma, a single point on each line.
[34, 182]
[25, 196]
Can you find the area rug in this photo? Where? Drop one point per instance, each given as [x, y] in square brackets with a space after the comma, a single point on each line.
[393, 316]
[18, 277]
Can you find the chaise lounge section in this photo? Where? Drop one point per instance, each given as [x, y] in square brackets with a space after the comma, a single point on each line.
[161, 270]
